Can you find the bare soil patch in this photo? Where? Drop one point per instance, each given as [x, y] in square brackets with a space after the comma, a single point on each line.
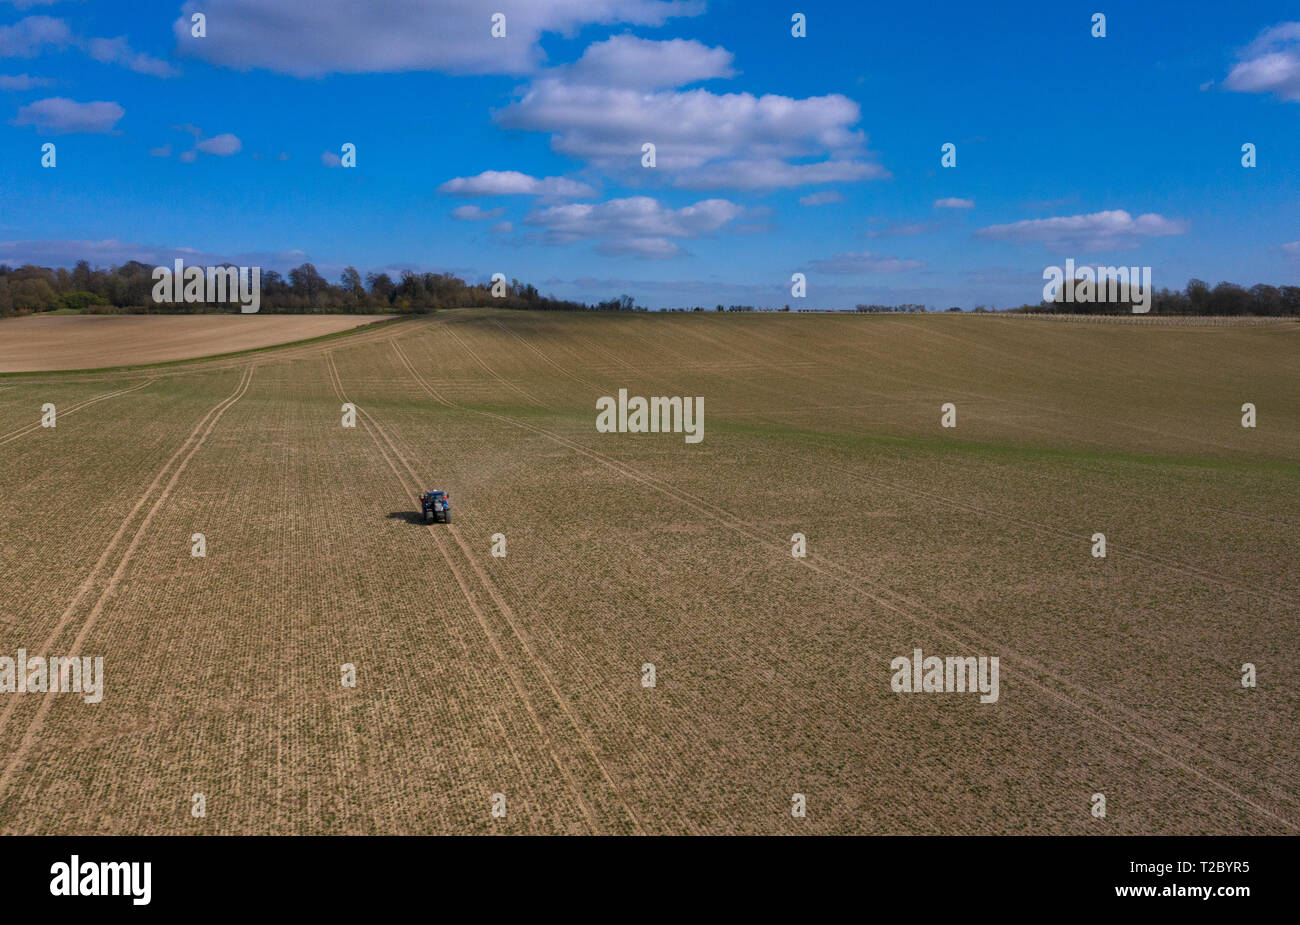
[40, 342]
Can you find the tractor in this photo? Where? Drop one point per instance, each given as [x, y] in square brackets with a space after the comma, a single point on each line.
[435, 504]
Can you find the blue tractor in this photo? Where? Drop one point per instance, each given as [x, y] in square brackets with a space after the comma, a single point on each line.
[436, 504]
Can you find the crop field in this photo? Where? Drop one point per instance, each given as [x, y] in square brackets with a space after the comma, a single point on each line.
[54, 342]
[520, 681]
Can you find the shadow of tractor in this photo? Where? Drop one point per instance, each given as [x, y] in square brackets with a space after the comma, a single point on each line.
[411, 517]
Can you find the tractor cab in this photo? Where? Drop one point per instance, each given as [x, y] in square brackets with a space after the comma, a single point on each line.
[434, 503]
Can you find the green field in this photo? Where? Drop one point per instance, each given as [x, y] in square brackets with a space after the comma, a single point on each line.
[522, 675]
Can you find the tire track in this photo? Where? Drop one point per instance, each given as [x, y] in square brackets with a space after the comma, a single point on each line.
[194, 442]
[1147, 726]
[545, 358]
[385, 447]
[905, 607]
[15, 434]
[1173, 563]
[493, 373]
[336, 383]
[376, 431]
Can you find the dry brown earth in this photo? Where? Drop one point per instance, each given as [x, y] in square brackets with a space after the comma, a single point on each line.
[521, 675]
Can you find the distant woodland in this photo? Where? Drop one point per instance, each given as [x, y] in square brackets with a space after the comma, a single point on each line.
[129, 288]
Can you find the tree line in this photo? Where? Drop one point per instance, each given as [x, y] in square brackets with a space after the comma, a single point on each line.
[129, 288]
[1198, 298]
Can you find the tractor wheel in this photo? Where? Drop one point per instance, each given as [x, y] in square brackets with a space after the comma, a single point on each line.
[428, 517]
[446, 516]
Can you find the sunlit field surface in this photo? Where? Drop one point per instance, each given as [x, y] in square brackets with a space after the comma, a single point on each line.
[522, 675]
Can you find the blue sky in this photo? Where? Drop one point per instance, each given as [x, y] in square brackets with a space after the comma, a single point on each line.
[774, 154]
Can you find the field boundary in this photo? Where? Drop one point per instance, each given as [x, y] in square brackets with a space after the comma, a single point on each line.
[369, 326]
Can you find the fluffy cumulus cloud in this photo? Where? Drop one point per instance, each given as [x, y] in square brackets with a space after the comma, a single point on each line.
[628, 61]
[639, 226]
[953, 202]
[600, 109]
[220, 145]
[61, 116]
[119, 51]
[223, 145]
[864, 262]
[34, 35]
[627, 91]
[30, 36]
[399, 35]
[1291, 249]
[514, 183]
[1096, 231]
[1270, 64]
[702, 139]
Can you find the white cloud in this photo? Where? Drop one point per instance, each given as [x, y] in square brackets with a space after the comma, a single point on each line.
[221, 145]
[639, 225]
[1291, 249]
[953, 202]
[514, 183]
[118, 51]
[163, 151]
[628, 61]
[825, 197]
[330, 159]
[28, 37]
[339, 36]
[690, 129]
[60, 116]
[502, 228]
[1096, 231]
[31, 36]
[1270, 64]
[864, 262]
[188, 157]
[703, 140]
[28, 4]
[475, 214]
[22, 82]
[775, 174]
